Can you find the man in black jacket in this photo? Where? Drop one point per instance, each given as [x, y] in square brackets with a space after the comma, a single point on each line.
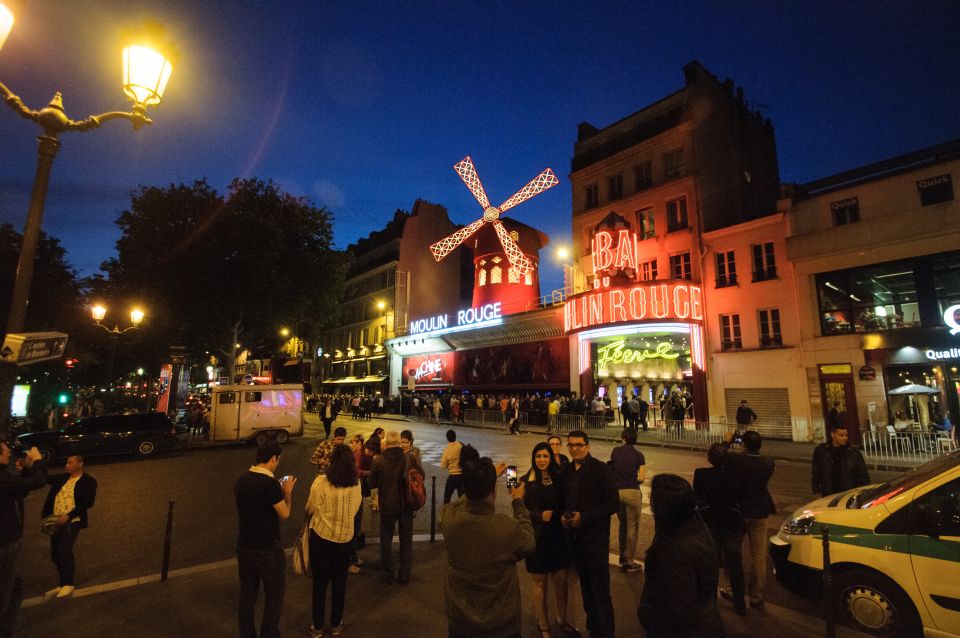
[70, 496]
[15, 484]
[591, 497]
[836, 466]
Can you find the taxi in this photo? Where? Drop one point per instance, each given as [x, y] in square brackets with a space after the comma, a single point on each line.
[894, 550]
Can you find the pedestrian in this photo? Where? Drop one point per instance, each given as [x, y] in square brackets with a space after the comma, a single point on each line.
[746, 417]
[71, 495]
[321, 454]
[556, 444]
[550, 564]
[751, 474]
[335, 499]
[836, 466]
[387, 474]
[15, 483]
[436, 411]
[406, 444]
[834, 420]
[483, 547]
[718, 506]
[630, 470]
[553, 413]
[262, 502]
[633, 405]
[591, 498]
[363, 458]
[513, 417]
[450, 461]
[327, 415]
[680, 589]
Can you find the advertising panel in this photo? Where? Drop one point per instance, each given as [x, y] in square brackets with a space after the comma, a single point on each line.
[429, 369]
[536, 365]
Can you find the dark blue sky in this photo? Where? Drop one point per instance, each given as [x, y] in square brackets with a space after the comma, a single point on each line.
[365, 106]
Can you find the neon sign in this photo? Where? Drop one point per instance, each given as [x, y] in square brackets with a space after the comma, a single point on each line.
[429, 367]
[636, 303]
[606, 257]
[486, 315]
[950, 318]
[616, 353]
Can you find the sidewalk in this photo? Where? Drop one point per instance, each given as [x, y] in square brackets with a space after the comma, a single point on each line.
[201, 601]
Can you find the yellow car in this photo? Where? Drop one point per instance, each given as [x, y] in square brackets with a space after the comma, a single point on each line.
[894, 550]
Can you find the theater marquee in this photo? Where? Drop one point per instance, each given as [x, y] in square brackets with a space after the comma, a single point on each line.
[641, 302]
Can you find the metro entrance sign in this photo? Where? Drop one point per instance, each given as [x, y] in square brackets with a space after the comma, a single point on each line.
[32, 347]
[642, 302]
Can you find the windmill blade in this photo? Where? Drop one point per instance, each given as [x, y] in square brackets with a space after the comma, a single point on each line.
[469, 176]
[445, 246]
[538, 184]
[514, 255]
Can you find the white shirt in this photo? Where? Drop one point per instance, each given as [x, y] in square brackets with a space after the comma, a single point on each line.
[332, 509]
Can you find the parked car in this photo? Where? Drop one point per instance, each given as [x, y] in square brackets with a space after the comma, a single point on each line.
[894, 552]
[143, 434]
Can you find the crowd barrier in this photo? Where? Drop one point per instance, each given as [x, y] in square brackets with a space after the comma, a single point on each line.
[906, 446]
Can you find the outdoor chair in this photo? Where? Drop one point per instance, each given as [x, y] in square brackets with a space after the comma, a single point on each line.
[899, 439]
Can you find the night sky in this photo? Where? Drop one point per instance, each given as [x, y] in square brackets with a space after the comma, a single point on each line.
[365, 106]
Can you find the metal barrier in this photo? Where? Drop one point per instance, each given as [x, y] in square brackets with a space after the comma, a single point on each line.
[491, 417]
[906, 446]
[693, 433]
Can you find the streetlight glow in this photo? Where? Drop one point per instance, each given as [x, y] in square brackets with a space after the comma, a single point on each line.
[98, 312]
[562, 252]
[145, 75]
[6, 23]
[381, 305]
[284, 332]
[136, 316]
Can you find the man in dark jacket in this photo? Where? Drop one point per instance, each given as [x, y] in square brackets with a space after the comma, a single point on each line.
[591, 497]
[15, 484]
[387, 475]
[69, 498]
[751, 474]
[837, 467]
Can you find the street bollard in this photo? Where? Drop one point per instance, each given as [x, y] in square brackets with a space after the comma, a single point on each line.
[828, 583]
[433, 509]
[166, 544]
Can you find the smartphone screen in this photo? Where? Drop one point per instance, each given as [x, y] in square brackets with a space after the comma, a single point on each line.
[512, 475]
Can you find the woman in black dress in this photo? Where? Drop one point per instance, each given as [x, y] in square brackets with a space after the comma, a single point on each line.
[551, 560]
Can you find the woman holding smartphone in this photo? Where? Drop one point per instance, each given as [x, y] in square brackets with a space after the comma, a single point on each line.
[333, 503]
[550, 563]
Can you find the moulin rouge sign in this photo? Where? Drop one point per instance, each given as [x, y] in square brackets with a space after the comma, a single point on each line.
[616, 251]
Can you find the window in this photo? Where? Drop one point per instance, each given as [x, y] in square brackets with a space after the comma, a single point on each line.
[872, 298]
[227, 397]
[676, 214]
[764, 264]
[935, 190]
[938, 511]
[528, 278]
[496, 260]
[642, 176]
[376, 334]
[513, 277]
[845, 211]
[496, 275]
[726, 269]
[252, 397]
[730, 332]
[645, 223]
[615, 187]
[680, 266]
[648, 270]
[673, 164]
[363, 337]
[593, 196]
[482, 277]
[770, 328]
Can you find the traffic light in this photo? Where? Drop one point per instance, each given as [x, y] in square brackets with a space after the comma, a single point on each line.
[70, 363]
[63, 399]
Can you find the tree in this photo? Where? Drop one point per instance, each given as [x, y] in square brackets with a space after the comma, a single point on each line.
[214, 271]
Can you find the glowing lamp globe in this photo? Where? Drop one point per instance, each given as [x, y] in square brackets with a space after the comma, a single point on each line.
[136, 316]
[6, 23]
[145, 75]
[98, 312]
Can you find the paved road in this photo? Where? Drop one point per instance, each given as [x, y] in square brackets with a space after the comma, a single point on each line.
[125, 538]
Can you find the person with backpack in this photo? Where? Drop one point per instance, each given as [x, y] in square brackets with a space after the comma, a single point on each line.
[389, 475]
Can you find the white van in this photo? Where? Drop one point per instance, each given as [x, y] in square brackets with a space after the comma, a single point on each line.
[256, 412]
[894, 548]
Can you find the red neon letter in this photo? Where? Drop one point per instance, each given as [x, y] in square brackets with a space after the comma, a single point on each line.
[696, 303]
[681, 308]
[617, 311]
[602, 255]
[626, 256]
[659, 301]
[638, 303]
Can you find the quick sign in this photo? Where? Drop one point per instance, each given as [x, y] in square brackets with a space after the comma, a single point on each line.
[644, 302]
[465, 318]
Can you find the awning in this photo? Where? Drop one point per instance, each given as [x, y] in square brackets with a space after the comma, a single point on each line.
[371, 379]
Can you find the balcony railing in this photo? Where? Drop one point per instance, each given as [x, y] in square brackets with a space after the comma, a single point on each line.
[765, 274]
[771, 341]
[731, 344]
[729, 280]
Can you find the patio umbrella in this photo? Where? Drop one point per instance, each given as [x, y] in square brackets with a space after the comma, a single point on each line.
[913, 388]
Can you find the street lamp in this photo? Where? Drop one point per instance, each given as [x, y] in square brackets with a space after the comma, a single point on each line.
[145, 76]
[98, 311]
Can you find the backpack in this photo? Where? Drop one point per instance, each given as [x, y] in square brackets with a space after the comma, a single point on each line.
[414, 491]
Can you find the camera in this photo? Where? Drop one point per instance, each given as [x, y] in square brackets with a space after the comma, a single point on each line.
[512, 476]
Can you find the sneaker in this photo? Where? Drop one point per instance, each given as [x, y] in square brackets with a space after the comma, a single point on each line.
[338, 629]
[354, 569]
[634, 567]
[65, 591]
[52, 592]
[315, 633]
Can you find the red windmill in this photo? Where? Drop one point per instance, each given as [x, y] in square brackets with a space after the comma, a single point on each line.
[491, 214]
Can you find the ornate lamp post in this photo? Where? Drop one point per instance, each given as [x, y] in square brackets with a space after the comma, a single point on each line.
[145, 76]
[99, 312]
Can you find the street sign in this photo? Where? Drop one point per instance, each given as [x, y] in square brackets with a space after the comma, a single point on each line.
[248, 379]
[31, 347]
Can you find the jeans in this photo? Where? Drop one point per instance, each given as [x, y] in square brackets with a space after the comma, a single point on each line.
[631, 503]
[594, 575]
[11, 587]
[757, 542]
[454, 483]
[328, 564]
[388, 522]
[61, 552]
[357, 533]
[730, 547]
[255, 565]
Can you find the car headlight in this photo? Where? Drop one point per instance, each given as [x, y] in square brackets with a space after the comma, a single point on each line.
[799, 524]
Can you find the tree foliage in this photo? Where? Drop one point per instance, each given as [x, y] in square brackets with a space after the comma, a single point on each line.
[213, 270]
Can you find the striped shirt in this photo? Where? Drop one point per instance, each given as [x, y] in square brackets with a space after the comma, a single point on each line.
[332, 509]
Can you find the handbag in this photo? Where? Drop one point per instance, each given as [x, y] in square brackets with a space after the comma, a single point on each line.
[50, 524]
[301, 551]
